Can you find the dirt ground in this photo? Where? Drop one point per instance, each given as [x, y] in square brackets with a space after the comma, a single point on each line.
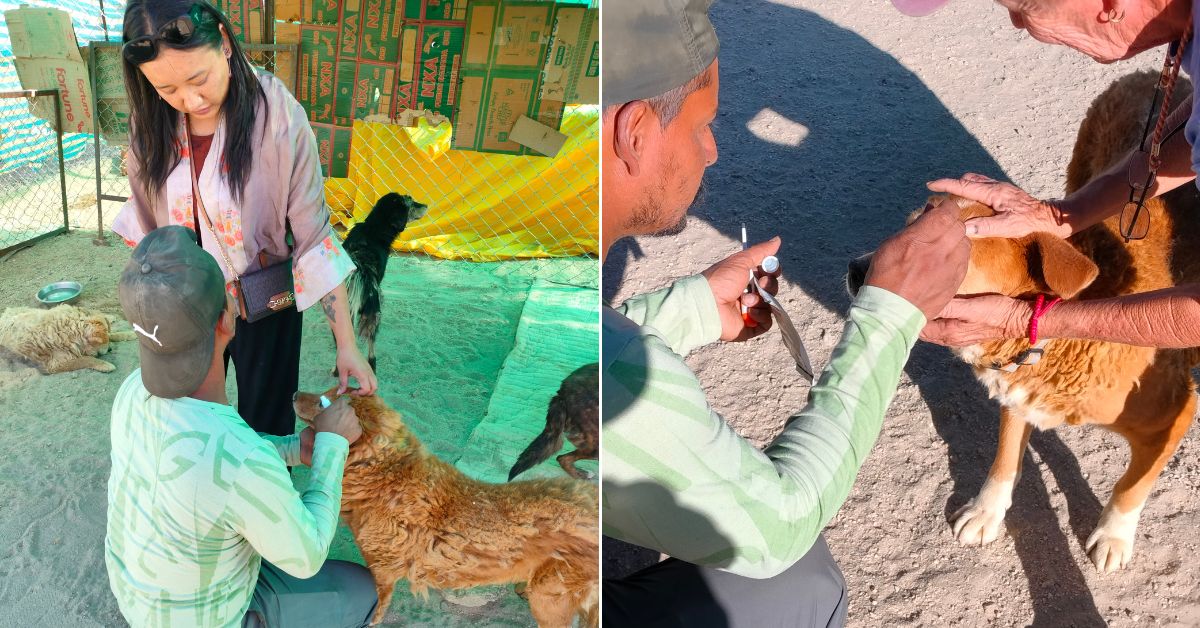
[833, 116]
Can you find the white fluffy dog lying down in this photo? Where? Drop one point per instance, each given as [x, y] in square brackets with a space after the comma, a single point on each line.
[65, 338]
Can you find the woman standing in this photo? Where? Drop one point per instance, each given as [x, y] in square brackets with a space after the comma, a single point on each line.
[202, 118]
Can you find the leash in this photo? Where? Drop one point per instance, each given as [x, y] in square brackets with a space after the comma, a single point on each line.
[1131, 228]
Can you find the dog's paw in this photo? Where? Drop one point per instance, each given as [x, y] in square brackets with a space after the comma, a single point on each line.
[979, 521]
[1108, 553]
[1110, 547]
[103, 367]
[976, 524]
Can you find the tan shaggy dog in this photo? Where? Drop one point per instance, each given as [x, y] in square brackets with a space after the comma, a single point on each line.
[1145, 395]
[416, 517]
[60, 339]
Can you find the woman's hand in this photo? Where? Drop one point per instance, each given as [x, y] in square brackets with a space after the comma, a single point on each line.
[1017, 213]
[969, 321]
[350, 362]
[728, 279]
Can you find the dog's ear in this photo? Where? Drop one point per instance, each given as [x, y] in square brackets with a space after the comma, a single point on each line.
[932, 201]
[936, 199]
[1066, 271]
[97, 331]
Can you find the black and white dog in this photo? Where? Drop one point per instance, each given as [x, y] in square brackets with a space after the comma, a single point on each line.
[369, 244]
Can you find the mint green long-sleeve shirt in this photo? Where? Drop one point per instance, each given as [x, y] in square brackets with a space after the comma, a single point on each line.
[196, 500]
[678, 479]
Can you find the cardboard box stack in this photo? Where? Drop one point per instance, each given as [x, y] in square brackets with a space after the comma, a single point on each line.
[524, 61]
[112, 105]
[502, 70]
[349, 58]
[432, 53]
[572, 70]
[47, 56]
[248, 17]
[483, 64]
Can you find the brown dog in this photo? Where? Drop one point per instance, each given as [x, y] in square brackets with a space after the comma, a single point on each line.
[416, 517]
[60, 339]
[574, 412]
[1145, 395]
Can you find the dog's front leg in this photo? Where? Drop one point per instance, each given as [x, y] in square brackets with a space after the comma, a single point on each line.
[62, 365]
[979, 521]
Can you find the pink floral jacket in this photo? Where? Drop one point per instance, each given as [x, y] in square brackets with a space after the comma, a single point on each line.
[284, 194]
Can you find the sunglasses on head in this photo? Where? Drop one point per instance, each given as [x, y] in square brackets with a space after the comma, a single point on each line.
[177, 32]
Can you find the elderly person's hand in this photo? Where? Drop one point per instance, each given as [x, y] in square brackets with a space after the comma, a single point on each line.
[728, 279]
[968, 321]
[1017, 213]
[925, 263]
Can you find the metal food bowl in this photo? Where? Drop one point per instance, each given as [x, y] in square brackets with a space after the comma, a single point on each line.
[60, 292]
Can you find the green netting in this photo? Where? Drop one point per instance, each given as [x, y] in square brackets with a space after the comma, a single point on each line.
[557, 334]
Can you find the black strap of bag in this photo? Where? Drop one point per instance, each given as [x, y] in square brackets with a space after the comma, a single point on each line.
[260, 293]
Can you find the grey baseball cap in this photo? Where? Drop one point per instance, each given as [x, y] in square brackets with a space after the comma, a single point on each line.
[172, 291]
[653, 46]
[918, 8]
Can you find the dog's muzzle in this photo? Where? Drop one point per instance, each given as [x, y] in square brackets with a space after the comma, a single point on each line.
[856, 273]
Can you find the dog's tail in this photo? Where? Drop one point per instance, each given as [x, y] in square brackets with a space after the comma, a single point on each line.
[546, 443]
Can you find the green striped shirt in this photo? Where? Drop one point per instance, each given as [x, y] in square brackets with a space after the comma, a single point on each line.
[196, 499]
[678, 479]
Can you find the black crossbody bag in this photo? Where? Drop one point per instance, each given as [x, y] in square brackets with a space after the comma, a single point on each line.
[261, 293]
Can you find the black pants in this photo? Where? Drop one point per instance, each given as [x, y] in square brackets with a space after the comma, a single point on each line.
[266, 356]
[811, 593]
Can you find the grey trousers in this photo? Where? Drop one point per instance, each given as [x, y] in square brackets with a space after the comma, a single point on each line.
[674, 593]
[340, 595]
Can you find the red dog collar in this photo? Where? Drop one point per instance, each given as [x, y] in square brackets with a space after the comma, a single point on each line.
[1040, 307]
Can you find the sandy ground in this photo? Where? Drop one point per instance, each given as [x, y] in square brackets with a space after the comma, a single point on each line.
[442, 353]
[833, 115]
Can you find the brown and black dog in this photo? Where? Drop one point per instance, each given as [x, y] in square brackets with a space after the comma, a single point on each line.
[1145, 395]
[416, 517]
[574, 412]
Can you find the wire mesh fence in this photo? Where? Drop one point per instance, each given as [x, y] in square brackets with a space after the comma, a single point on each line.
[539, 215]
[32, 183]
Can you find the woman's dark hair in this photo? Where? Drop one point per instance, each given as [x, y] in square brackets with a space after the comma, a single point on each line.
[153, 122]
